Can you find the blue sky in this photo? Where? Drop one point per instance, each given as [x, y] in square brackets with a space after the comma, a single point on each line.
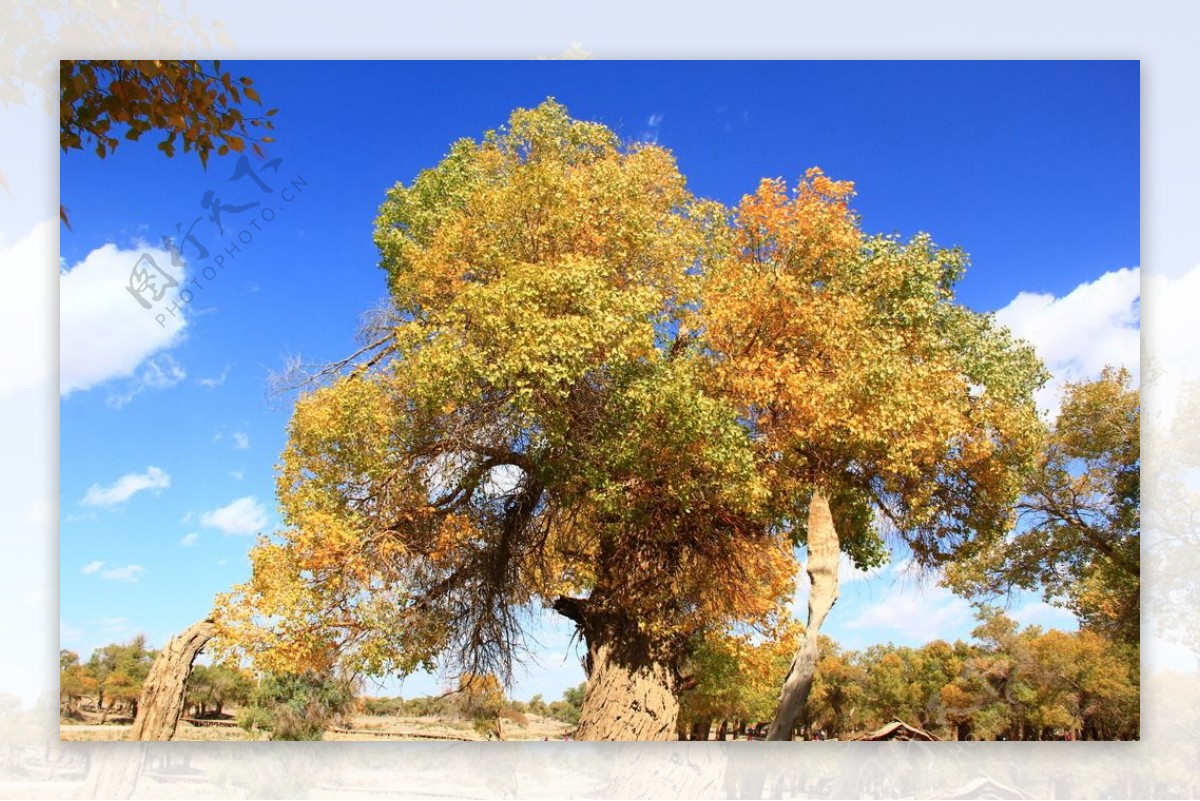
[169, 435]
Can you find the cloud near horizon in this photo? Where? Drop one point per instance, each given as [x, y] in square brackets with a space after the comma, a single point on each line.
[1096, 324]
[914, 614]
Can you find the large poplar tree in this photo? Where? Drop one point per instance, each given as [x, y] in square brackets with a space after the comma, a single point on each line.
[594, 393]
[530, 428]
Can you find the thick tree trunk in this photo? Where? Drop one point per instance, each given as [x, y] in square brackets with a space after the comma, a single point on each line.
[822, 567]
[626, 701]
[165, 689]
[632, 686]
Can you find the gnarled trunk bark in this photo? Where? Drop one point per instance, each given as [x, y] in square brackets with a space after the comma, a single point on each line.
[165, 689]
[822, 567]
[626, 701]
[632, 686]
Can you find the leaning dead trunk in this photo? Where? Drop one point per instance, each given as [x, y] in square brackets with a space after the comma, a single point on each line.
[632, 683]
[822, 567]
[165, 689]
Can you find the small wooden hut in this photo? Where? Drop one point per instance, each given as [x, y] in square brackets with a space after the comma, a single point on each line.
[898, 730]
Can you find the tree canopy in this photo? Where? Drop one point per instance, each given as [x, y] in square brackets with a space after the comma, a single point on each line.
[593, 392]
[531, 427]
[859, 375]
[868, 391]
[1080, 515]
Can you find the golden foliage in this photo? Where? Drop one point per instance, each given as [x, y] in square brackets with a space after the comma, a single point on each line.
[540, 426]
[590, 383]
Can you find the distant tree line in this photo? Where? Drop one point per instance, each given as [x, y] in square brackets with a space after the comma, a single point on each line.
[110, 682]
[483, 699]
[1011, 683]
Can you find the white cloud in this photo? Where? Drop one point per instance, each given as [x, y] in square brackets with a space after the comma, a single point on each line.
[27, 266]
[1096, 324]
[242, 516]
[446, 470]
[68, 634]
[189, 539]
[125, 487]
[502, 480]
[912, 609]
[128, 573]
[914, 614]
[91, 634]
[161, 372]
[653, 123]
[238, 474]
[92, 567]
[210, 383]
[848, 573]
[1040, 613]
[104, 333]
[241, 440]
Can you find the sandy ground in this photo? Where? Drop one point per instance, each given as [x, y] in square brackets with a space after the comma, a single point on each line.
[362, 728]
